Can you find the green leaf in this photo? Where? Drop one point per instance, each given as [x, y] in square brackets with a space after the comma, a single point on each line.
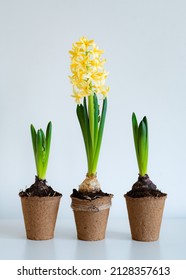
[147, 143]
[39, 154]
[143, 148]
[146, 125]
[33, 135]
[46, 145]
[43, 140]
[48, 138]
[135, 132]
[100, 135]
[81, 113]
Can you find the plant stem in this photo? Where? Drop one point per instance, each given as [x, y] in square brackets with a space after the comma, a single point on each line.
[96, 119]
[91, 117]
[92, 130]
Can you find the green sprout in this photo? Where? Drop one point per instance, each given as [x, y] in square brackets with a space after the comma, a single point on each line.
[140, 134]
[41, 147]
[92, 126]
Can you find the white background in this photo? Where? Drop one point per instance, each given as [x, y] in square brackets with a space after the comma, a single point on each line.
[145, 48]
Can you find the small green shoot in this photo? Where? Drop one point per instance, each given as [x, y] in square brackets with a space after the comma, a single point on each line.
[41, 147]
[140, 134]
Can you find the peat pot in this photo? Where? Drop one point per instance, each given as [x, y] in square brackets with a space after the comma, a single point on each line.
[40, 214]
[145, 217]
[91, 217]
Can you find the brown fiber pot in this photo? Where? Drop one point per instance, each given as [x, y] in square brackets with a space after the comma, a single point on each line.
[91, 217]
[40, 214]
[145, 217]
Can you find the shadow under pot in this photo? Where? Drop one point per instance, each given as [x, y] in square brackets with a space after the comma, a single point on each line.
[91, 217]
[145, 216]
[40, 214]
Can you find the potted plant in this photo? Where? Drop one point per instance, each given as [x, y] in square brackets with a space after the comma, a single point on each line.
[145, 203]
[40, 202]
[89, 203]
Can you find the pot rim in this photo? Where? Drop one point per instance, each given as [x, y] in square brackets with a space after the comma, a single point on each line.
[97, 198]
[41, 197]
[145, 197]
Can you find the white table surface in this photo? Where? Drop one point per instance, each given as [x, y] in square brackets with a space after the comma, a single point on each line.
[117, 244]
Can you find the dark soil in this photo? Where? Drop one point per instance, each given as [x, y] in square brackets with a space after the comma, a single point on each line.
[144, 187]
[88, 195]
[39, 188]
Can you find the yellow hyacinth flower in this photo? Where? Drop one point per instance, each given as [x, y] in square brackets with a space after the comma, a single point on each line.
[87, 67]
[88, 81]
